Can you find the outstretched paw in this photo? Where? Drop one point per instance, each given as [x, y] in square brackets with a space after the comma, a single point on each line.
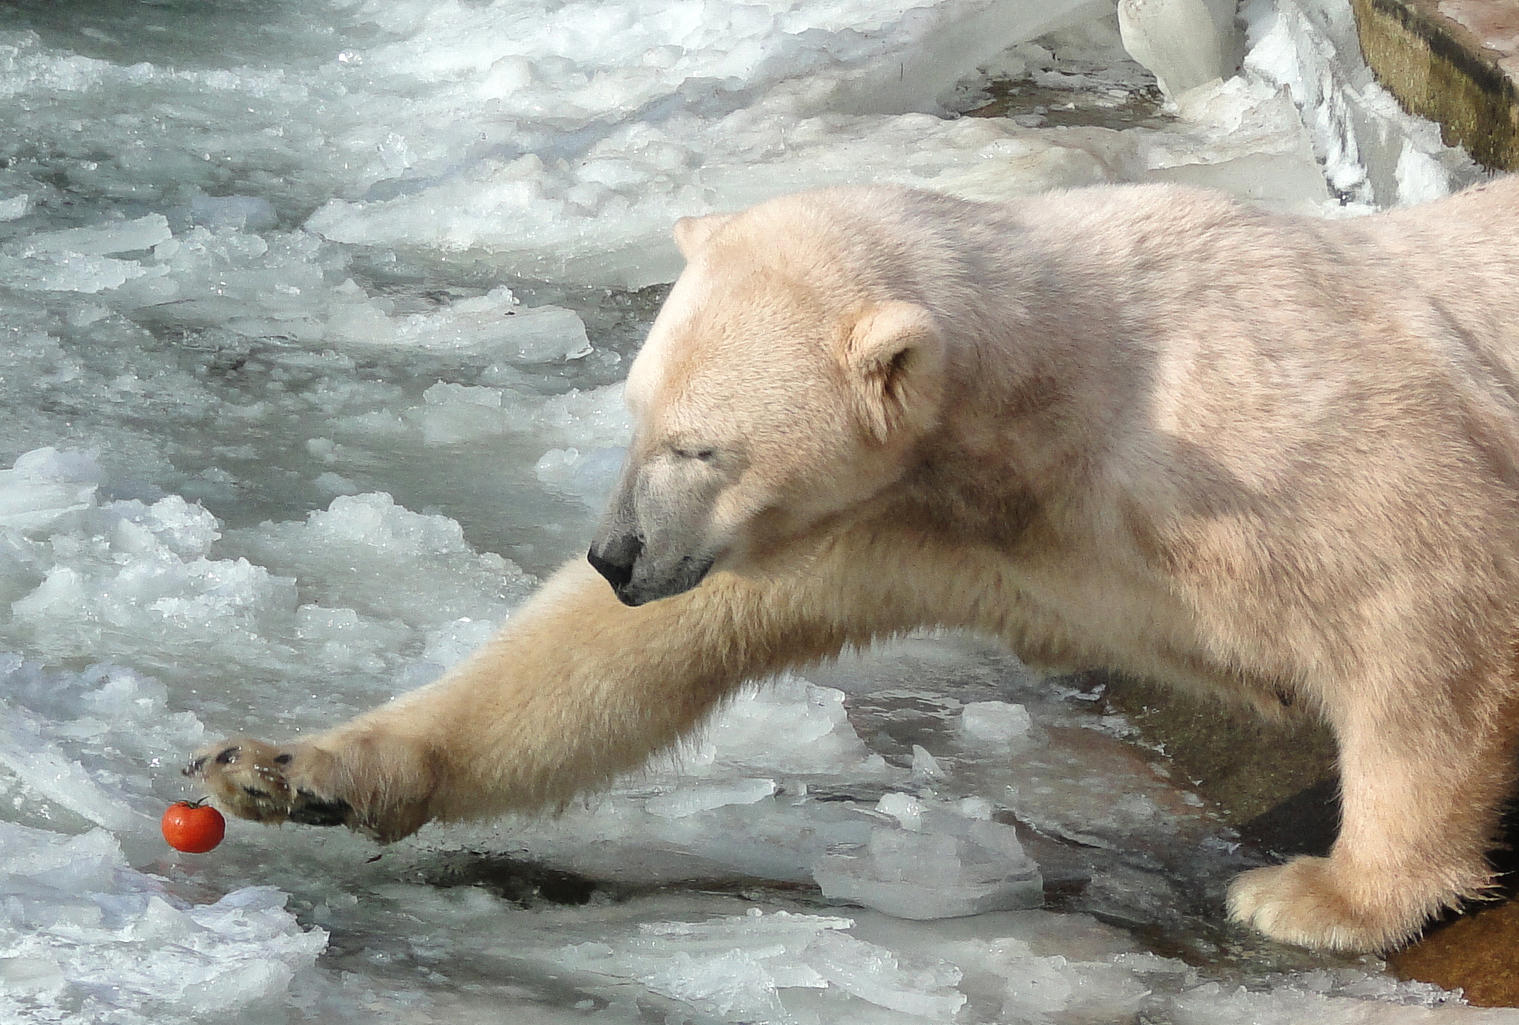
[258, 781]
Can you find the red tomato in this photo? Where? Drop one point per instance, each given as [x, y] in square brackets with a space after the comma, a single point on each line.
[193, 828]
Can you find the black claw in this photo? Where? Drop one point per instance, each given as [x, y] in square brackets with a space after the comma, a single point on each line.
[312, 812]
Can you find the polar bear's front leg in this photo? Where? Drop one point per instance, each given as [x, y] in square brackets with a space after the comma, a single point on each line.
[1421, 789]
[577, 688]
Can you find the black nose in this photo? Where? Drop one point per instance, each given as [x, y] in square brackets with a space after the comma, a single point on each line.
[615, 561]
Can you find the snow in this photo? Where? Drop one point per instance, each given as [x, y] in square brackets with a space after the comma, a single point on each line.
[313, 321]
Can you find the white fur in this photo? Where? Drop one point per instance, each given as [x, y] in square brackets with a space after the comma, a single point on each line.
[1144, 428]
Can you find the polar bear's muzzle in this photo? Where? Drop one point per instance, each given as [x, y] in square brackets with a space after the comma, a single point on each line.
[657, 537]
[615, 561]
[618, 561]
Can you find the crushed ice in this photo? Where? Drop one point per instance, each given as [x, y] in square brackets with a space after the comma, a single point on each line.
[313, 319]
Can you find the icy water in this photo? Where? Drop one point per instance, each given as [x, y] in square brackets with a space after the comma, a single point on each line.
[315, 314]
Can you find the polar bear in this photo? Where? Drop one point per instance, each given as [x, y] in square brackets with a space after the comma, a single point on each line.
[1140, 427]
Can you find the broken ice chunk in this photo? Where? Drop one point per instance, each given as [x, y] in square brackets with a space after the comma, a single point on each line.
[758, 967]
[497, 322]
[588, 475]
[26, 751]
[877, 975]
[237, 213]
[948, 867]
[688, 800]
[995, 722]
[924, 765]
[80, 927]
[729, 983]
[1058, 988]
[104, 239]
[44, 486]
[1184, 43]
[787, 726]
[70, 272]
[905, 808]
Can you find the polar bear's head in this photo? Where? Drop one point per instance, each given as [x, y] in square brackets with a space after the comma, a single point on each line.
[784, 383]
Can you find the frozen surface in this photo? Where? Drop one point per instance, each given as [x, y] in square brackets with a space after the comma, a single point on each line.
[313, 321]
[1185, 43]
[933, 863]
[1372, 152]
[88, 939]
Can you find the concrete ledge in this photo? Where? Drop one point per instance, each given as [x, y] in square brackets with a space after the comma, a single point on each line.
[1440, 69]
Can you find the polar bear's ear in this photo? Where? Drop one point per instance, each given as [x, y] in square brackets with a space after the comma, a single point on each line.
[895, 358]
[691, 233]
